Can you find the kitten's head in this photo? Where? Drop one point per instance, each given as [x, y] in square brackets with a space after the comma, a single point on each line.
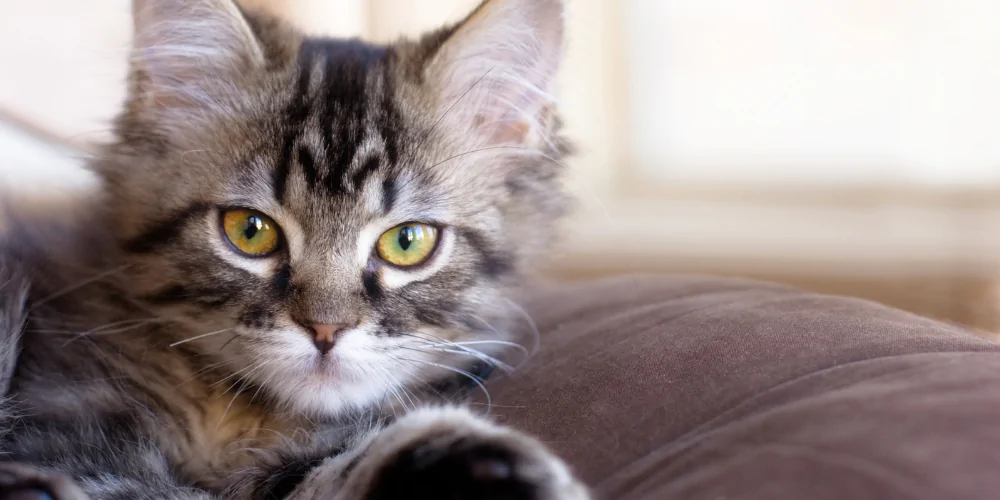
[297, 194]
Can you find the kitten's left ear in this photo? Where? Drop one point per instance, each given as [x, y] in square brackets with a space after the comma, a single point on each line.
[493, 73]
[180, 47]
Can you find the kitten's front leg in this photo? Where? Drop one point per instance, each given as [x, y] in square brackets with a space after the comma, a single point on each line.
[444, 453]
[24, 481]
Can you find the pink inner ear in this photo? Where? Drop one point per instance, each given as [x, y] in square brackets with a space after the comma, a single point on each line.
[500, 63]
[512, 132]
[515, 130]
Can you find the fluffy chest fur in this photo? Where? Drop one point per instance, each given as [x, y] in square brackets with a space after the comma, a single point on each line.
[224, 433]
[129, 389]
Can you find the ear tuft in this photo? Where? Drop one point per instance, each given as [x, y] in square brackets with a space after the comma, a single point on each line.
[494, 73]
[181, 46]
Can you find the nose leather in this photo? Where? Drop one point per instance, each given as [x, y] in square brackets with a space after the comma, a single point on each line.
[325, 335]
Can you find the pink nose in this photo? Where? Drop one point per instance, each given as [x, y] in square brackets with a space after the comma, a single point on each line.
[325, 335]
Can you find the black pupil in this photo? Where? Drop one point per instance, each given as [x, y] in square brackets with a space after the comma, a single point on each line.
[252, 225]
[406, 237]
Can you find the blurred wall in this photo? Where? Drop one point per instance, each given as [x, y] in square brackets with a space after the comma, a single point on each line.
[845, 146]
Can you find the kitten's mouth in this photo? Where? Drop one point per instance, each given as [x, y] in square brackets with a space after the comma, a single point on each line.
[327, 371]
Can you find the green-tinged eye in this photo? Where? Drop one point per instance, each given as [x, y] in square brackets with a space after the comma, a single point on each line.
[251, 232]
[407, 244]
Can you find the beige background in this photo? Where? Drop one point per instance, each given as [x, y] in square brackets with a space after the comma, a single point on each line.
[844, 146]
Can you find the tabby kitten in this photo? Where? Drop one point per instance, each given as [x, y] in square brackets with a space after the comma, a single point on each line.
[297, 239]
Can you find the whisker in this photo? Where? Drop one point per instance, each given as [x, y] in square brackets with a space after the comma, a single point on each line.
[474, 352]
[480, 150]
[520, 407]
[506, 343]
[77, 286]
[136, 321]
[418, 380]
[384, 400]
[230, 341]
[534, 328]
[231, 375]
[469, 352]
[482, 357]
[225, 412]
[487, 324]
[473, 378]
[199, 371]
[237, 393]
[400, 388]
[524, 351]
[109, 327]
[458, 100]
[108, 330]
[390, 389]
[406, 392]
[441, 118]
[262, 384]
[196, 337]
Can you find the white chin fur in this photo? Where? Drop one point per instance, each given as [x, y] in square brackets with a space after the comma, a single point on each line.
[362, 370]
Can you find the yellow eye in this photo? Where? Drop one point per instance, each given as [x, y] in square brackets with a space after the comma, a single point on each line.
[251, 232]
[407, 244]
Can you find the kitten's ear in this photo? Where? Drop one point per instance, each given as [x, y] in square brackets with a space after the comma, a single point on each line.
[493, 74]
[180, 47]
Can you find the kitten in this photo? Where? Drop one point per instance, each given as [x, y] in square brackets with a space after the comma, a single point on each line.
[297, 239]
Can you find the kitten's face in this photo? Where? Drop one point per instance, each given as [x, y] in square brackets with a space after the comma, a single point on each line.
[325, 216]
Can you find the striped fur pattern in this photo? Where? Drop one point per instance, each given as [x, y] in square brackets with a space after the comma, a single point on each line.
[143, 357]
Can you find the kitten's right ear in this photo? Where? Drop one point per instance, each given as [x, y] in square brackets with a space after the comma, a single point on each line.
[182, 50]
[493, 73]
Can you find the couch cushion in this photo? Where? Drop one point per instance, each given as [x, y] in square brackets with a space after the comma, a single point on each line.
[693, 388]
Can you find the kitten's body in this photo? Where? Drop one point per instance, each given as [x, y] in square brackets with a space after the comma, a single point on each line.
[106, 376]
[153, 360]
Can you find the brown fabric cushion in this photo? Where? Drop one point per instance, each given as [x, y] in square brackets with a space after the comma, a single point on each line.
[695, 388]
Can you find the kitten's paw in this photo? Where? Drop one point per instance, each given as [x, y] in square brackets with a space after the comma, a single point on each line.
[24, 482]
[448, 453]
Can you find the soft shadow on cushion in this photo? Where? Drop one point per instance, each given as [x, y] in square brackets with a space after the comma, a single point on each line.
[690, 387]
